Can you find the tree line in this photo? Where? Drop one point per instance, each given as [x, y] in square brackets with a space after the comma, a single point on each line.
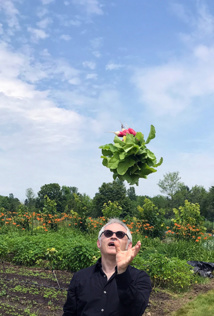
[68, 198]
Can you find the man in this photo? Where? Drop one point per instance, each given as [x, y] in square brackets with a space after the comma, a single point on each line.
[111, 287]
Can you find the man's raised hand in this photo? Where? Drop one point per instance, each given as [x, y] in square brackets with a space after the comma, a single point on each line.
[125, 257]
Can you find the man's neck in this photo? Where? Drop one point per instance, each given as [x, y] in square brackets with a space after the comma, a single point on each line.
[108, 264]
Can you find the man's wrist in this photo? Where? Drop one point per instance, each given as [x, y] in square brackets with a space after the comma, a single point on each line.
[120, 271]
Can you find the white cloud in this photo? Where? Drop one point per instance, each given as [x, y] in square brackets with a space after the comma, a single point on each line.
[44, 23]
[173, 87]
[191, 167]
[91, 76]
[7, 6]
[45, 2]
[96, 45]
[65, 71]
[89, 64]
[181, 12]
[16, 65]
[205, 22]
[37, 34]
[65, 37]
[45, 53]
[113, 66]
[201, 22]
[28, 116]
[91, 6]
[42, 11]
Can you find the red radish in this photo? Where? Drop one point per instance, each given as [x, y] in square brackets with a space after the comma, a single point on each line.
[125, 131]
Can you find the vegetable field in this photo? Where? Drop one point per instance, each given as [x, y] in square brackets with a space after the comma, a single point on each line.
[40, 251]
[31, 291]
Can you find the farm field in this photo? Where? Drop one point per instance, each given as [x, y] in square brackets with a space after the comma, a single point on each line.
[31, 291]
[37, 251]
[35, 292]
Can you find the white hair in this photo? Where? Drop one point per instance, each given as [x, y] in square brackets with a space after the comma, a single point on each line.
[116, 221]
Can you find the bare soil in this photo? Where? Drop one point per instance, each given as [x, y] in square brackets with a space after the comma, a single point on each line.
[163, 303]
[38, 292]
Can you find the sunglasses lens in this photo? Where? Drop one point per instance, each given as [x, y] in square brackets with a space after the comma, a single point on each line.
[120, 234]
[108, 233]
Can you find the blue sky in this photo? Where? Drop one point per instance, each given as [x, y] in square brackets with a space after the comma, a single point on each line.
[71, 71]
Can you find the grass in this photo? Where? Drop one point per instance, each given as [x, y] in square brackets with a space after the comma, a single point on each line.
[201, 306]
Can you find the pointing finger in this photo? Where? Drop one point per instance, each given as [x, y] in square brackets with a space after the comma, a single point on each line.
[117, 245]
[136, 248]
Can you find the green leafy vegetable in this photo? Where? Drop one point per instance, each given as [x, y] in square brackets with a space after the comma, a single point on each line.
[129, 159]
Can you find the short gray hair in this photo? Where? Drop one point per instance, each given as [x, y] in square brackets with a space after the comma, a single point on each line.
[117, 221]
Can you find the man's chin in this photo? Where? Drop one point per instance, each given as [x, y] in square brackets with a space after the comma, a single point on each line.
[111, 251]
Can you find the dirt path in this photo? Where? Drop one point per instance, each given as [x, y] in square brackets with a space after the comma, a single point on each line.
[163, 304]
[32, 291]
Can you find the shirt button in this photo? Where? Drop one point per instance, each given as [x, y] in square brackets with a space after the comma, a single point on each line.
[104, 292]
[102, 310]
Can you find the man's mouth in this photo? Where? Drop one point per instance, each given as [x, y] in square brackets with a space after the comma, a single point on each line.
[111, 244]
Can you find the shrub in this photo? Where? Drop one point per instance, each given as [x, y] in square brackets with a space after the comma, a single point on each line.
[152, 219]
[171, 273]
[78, 256]
[112, 209]
[188, 223]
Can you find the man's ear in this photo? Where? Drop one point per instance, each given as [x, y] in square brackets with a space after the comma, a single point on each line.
[98, 244]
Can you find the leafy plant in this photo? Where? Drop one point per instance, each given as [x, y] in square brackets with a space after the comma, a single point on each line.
[112, 209]
[171, 273]
[152, 219]
[129, 159]
[188, 222]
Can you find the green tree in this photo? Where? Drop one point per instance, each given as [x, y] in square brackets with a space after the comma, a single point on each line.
[210, 205]
[111, 210]
[182, 194]
[49, 210]
[131, 194]
[160, 201]
[9, 203]
[188, 222]
[170, 184]
[53, 191]
[150, 214]
[82, 204]
[115, 192]
[31, 199]
[198, 194]
[68, 197]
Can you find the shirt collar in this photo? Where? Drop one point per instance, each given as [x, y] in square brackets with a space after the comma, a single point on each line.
[98, 266]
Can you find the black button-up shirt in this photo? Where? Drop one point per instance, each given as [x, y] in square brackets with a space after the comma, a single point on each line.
[91, 294]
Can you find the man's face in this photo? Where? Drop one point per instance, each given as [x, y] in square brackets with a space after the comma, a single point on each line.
[106, 245]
